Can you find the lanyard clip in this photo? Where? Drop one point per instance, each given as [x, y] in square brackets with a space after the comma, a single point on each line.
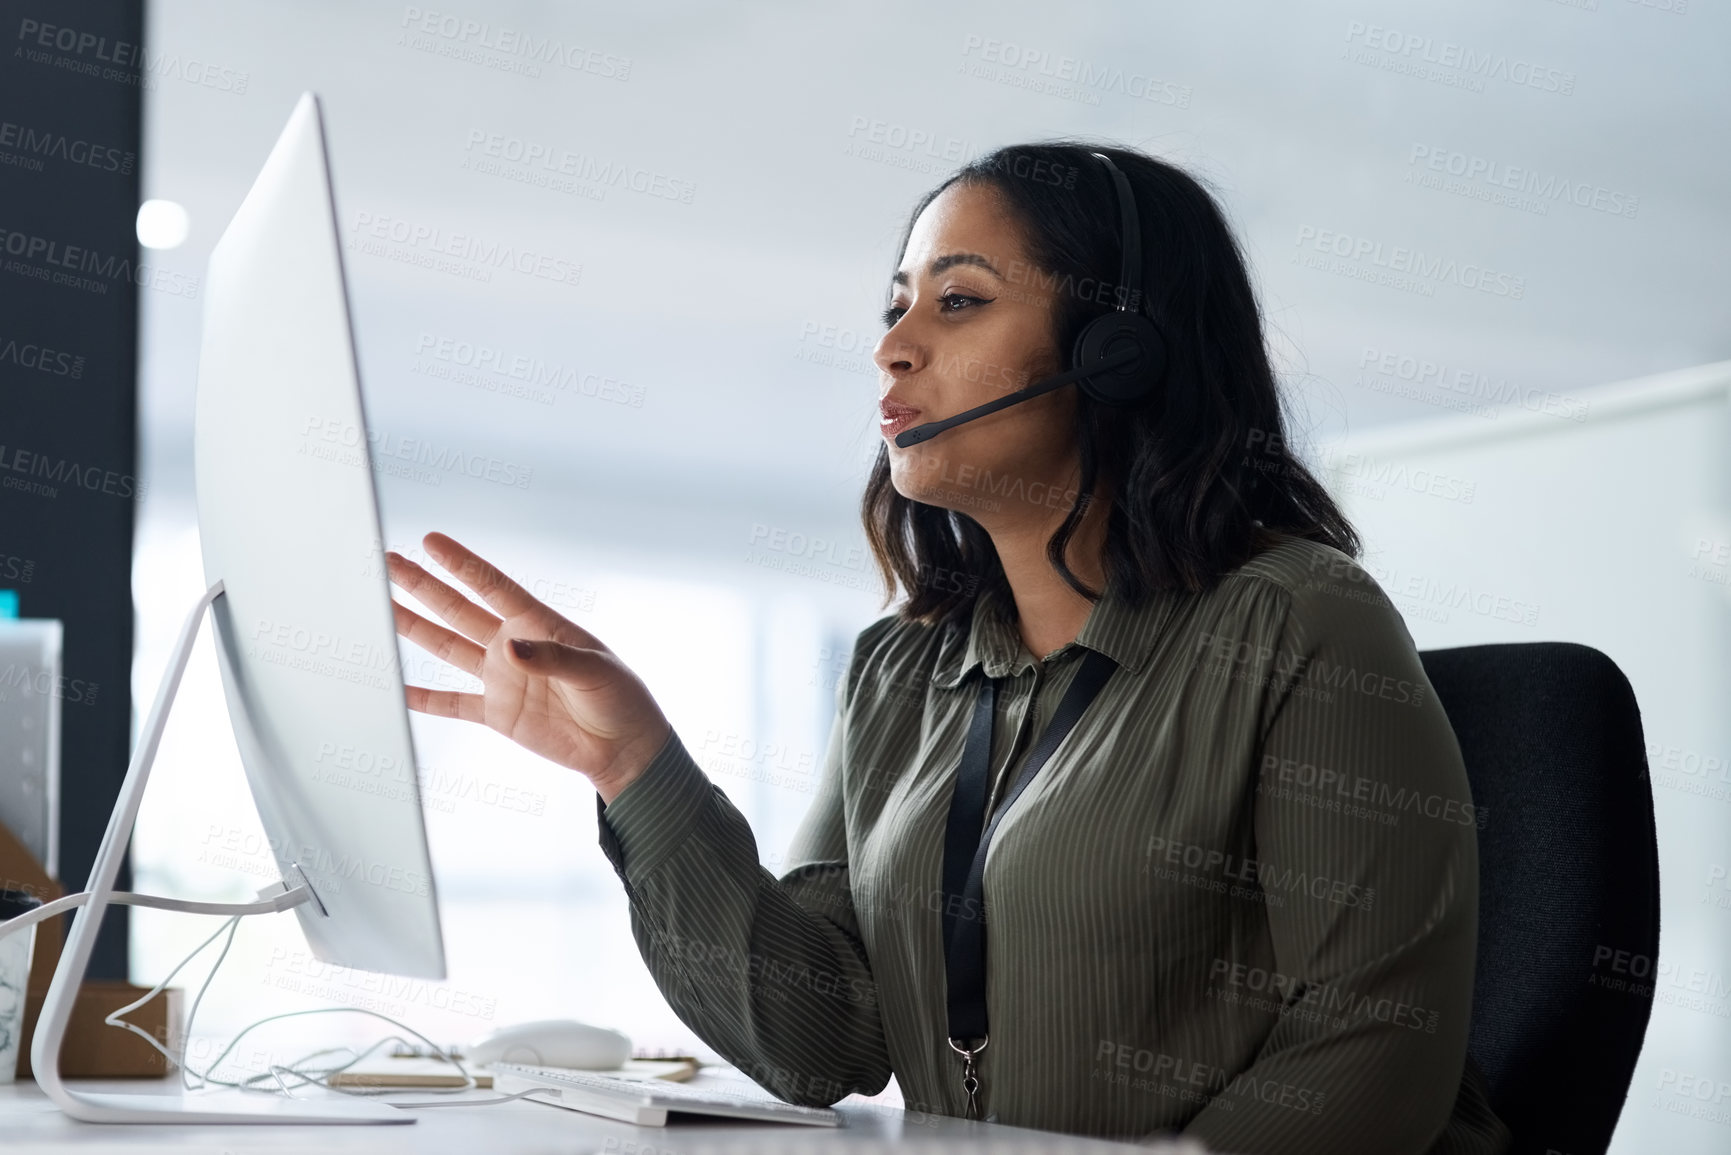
[970, 1077]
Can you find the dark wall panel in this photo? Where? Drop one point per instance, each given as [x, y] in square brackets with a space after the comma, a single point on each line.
[70, 94]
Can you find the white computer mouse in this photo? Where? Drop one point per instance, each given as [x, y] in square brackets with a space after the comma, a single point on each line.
[552, 1043]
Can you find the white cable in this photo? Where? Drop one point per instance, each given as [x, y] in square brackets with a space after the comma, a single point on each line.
[321, 1078]
[186, 1033]
[45, 911]
[289, 898]
[114, 1019]
[207, 1077]
[285, 899]
[324, 1076]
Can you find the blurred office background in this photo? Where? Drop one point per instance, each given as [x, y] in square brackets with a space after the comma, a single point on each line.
[666, 421]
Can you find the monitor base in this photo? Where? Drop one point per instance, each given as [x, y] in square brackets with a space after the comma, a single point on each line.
[199, 1107]
[227, 1107]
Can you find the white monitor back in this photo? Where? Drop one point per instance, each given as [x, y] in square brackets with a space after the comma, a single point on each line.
[289, 521]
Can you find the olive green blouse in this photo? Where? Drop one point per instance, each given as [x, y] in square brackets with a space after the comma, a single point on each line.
[1240, 901]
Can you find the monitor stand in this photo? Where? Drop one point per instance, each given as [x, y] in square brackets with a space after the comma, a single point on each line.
[223, 1106]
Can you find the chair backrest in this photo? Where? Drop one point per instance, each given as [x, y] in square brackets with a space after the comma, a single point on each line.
[1568, 883]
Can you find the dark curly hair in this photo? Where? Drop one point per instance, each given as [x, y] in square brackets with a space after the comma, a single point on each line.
[1200, 475]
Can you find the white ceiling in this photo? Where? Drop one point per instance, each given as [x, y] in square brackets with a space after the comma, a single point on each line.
[706, 307]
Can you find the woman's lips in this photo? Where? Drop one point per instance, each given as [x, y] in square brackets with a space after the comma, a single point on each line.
[894, 417]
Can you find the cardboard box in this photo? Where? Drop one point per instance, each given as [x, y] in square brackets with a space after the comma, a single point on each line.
[95, 1050]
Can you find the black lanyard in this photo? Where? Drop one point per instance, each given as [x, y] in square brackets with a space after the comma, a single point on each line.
[965, 855]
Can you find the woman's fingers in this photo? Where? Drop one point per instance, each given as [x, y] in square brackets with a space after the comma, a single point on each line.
[438, 641]
[445, 703]
[470, 619]
[489, 582]
[498, 590]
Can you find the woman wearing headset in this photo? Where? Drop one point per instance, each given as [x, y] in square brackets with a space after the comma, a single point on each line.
[1233, 882]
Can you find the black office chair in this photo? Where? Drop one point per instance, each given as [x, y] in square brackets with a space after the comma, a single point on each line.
[1568, 871]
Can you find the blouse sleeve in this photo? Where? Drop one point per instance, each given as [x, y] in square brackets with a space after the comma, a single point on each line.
[770, 972]
[1364, 824]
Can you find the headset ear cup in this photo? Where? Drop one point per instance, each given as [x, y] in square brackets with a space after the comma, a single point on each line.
[1110, 334]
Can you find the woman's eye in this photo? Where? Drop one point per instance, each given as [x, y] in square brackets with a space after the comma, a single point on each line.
[949, 302]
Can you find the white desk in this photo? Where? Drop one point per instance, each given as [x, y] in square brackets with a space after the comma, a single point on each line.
[29, 1122]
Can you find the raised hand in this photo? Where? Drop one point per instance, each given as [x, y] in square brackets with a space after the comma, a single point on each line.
[547, 683]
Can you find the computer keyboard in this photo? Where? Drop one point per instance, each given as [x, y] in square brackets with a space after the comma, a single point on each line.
[647, 1103]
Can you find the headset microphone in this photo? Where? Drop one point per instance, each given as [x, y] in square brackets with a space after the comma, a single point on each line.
[1119, 358]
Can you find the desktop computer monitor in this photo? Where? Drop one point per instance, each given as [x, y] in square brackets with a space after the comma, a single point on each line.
[289, 524]
[302, 619]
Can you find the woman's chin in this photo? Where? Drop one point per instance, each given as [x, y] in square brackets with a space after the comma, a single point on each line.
[925, 494]
[938, 481]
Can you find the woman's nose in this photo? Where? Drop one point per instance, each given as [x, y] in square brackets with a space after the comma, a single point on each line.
[896, 354]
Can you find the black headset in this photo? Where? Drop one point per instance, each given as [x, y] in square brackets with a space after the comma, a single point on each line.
[1119, 358]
